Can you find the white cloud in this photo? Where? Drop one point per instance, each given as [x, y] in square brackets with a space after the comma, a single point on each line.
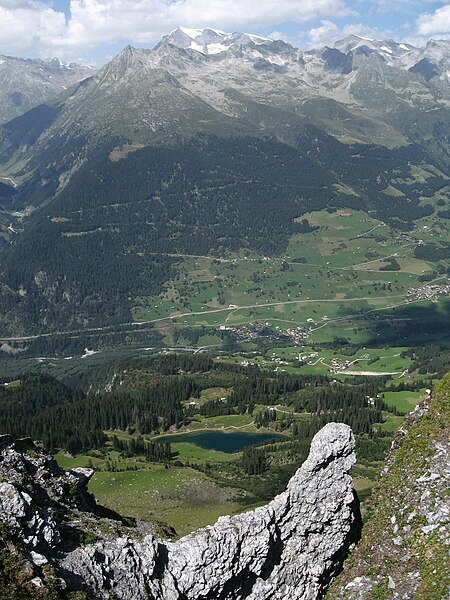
[97, 21]
[34, 26]
[328, 32]
[325, 34]
[407, 8]
[19, 3]
[280, 35]
[437, 23]
[29, 28]
[238, 13]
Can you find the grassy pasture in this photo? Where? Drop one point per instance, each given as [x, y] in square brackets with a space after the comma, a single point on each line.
[403, 401]
[391, 423]
[181, 497]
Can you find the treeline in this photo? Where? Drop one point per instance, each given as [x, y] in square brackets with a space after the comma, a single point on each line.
[78, 425]
[267, 458]
[433, 359]
[321, 400]
[391, 264]
[154, 398]
[152, 394]
[155, 451]
[374, 170]
[432, 252]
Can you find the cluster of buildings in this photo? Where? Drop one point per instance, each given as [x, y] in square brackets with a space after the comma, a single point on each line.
[427, 292]
[298, 335]
[242, 333]
[339, 365]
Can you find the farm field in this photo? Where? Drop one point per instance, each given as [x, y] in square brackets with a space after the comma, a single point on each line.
[314, 360]
[340, 280]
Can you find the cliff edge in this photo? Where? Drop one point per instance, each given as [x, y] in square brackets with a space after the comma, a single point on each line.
[290, 548]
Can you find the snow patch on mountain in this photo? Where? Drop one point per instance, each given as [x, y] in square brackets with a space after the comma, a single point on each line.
[209, 41]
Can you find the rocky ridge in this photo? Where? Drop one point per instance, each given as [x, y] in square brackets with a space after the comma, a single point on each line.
[220, 83]
[25, 83]
[292, 547]
[206, 82]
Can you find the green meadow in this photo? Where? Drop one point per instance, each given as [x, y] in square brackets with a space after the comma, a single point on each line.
[334, 280]
[181, 497]
[404, 402]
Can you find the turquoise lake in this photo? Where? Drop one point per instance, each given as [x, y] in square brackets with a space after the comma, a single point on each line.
[223, 441]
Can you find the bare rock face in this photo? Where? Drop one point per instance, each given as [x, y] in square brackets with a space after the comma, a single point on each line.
[290, 548]
[35, 496]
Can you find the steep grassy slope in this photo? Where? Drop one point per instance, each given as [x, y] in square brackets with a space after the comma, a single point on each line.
[405, 549]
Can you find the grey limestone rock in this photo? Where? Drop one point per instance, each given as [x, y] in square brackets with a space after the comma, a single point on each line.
[35, 494]
[290, 548]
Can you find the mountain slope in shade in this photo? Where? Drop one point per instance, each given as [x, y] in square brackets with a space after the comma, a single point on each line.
[188, 150]
[27, 83]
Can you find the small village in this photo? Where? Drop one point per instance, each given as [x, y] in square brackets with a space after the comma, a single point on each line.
[297, 335]
[427, 292]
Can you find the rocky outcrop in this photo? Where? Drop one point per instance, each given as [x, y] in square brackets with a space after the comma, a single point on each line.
[290, 548]
[36, 496]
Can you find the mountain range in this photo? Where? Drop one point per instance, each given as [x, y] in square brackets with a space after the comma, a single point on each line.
[189, 147]
[27, 83]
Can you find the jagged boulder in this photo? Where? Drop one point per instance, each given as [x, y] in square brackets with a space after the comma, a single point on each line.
[290, 548]
[36, 495]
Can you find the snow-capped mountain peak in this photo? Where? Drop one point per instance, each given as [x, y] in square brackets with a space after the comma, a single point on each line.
[209, 41]
[194, 33]
[388, 50]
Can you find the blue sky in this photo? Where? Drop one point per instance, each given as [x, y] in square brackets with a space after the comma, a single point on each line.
[95, 30]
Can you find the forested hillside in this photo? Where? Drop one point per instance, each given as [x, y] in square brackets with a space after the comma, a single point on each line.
[151, 396]
[114, 232]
